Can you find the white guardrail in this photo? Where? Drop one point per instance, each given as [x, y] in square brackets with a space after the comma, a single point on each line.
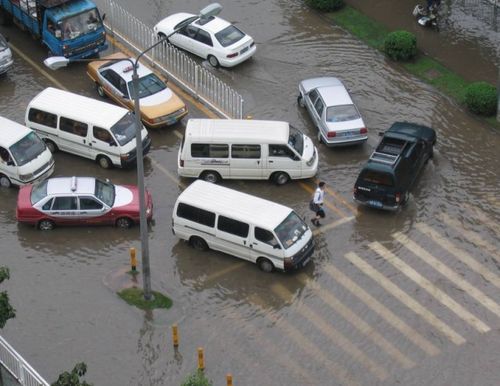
[18, 367]
[196, 80]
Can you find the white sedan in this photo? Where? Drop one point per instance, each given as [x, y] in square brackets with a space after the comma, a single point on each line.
[212, 38]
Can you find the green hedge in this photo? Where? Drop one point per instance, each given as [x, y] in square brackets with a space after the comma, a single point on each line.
[326, 5]
[197, 379]
[400, 45]
[481, 98]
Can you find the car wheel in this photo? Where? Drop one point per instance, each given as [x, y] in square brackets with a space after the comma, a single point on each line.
[265, 265]
[51, 146]
[320, 138]
[213, 61]
[210, 176]
[104, 162]
[5, 181]
[46, 225]
[198, 243]
[406, 198]
[300, 101]
[281, 178]
[123, 223]
[100, 90]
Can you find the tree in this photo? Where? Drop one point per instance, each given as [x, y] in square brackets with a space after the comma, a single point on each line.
[73, 378]
[6, 310]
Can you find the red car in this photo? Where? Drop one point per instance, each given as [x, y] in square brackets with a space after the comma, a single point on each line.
[80, 201]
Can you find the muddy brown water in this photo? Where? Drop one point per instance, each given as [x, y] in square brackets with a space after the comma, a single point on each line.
[308, 328]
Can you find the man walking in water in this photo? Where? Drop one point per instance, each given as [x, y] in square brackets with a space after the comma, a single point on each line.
[316, 204]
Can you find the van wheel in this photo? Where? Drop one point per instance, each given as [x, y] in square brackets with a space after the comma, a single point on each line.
[51, 146]
[210, 176]
[104, 162]
[198, 243]
[281, 178]
[265, 265]
[123, 223]
[100, 90]
[46, 225]
[213, 61]
[5, 182]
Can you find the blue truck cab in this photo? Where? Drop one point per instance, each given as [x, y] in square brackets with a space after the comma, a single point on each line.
[70, 28]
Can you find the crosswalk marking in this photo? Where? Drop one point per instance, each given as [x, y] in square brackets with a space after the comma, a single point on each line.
[437, 293]
[326, 203]
[473, 237]
[449, 273]
[305, 344]
[459, 254]
[391, 318]
[358, 323]
[481, 216]
[335, 336]
[332, 225]
[405, 298]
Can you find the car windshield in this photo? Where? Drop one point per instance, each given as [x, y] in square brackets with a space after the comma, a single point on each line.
[342, 113]
[290, 230]
[3, 44]
[296, 140]
[124, 129]
[229, 36]
[39, 192]
[185, 22]
[27, 149]
[378, 178]
[105, 191]
[148, 85]
[81, 24]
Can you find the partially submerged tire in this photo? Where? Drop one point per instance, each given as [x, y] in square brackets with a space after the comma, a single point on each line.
[213, 61]
[210, 176]
[198, 243]
[265, 265]
[104, 162]
[5, 181]
[46, 225]
[124, 223]
[281, 178]
[100, 90]
[51, 146]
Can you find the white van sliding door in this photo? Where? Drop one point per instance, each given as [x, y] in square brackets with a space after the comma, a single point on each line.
[73, 137]
[246, 161]
[232, 237]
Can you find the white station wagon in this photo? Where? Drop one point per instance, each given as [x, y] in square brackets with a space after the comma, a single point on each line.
[333, 112]
[211, 38]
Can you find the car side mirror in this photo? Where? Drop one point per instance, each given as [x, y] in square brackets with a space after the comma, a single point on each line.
[103, 16]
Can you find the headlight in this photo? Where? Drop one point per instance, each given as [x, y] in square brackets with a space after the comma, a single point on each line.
[26, 177]
[311, 161]
[124, 157]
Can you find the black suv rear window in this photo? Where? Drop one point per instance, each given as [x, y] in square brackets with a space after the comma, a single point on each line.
[376, 177]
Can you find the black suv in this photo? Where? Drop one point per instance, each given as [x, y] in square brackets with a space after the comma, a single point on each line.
[387, 177]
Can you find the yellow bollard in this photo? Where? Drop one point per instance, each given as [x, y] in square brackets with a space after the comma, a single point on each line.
[175, 335]
[133, 259]
[229, 379]
[201, 360]
[249, 117]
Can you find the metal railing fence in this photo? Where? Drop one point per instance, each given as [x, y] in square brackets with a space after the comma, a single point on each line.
[195, 79]
[18, 367]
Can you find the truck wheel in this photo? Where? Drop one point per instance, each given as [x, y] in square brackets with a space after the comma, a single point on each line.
[100, 90]
[265, 265]
[5, 182]
[198, 243]
[51, 146]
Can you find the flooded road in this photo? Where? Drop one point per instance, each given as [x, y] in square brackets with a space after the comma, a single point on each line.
[408, 298]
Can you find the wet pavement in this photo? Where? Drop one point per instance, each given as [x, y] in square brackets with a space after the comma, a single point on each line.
[408, 298]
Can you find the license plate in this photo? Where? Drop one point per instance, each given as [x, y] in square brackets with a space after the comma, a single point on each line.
[244, 50]
[375, 204]
[306, 261]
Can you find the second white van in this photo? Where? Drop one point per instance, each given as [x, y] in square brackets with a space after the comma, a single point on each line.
[271, 235]
[213, 149]
[86, 127]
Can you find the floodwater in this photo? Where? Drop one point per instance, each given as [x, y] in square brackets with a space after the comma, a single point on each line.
[366, 311]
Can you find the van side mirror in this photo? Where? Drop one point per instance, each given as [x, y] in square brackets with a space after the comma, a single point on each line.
[296, 158]
[276, 246]
[112, 143]
[10, 163]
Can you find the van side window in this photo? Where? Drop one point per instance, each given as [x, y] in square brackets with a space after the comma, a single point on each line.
[234, 227]
[198, 215]
[245, 151]
[265, 236]
[103, 135]
[280, 151]
[73, 127]
[43, 118]
[205, 150]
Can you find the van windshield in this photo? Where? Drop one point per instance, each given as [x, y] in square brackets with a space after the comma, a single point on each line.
[296, 140]
[124, 129]
[290, 230]
[27, 149]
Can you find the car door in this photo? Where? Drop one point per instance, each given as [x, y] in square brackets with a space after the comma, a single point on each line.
[202, 44]
[64, 210]
[310, 100]
[282, 158]
[246, 161]
[184, 38]
[232, 237]
[93, 211]
[114, 86]
[102, 142]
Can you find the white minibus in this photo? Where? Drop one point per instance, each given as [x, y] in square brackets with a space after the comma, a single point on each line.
[251, 228]
[213, 149]
[86, 127]
[24, 158]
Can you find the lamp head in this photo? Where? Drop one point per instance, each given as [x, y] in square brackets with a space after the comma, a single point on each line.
[56, 62]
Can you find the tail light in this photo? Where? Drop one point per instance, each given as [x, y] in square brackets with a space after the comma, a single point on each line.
[181, 163]
[331, 134]
[287, 263]
[398, 198]
[253, 44]
[233, 55]
[364, 130]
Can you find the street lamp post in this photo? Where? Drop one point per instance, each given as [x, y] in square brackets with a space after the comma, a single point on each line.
[56, 62]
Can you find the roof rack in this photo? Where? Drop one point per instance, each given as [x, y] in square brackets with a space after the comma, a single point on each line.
[385, 158]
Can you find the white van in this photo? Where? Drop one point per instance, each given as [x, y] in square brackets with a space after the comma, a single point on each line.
[86, 127]
[213, 149]
[24, 158]
[268, 234]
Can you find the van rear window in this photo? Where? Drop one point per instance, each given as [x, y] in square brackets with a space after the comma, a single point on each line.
[198, 215]
[379, 178]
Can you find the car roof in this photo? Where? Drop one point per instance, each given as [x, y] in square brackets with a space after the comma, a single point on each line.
[63, 185]
[125, 70]
[232, 203]
[331, 89]
[78, 107]
[11, 132]
[214, 25]
[238, 131]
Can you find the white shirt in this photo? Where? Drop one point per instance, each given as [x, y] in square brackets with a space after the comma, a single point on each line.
[319, 195]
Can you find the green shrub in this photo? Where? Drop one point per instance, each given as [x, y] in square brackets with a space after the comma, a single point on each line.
[326, 5]
[197, 379]
[400, 45]
[481, 98]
